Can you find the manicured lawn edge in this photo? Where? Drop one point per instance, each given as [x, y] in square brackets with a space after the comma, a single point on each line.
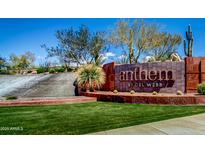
[87, 117]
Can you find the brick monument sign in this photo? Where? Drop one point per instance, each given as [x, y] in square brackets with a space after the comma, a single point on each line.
[165, 77]
[145, 77]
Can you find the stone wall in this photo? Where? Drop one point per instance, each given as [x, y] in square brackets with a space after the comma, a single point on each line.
[195, 73]
[168, 99]
[186, 76]
[110, 76]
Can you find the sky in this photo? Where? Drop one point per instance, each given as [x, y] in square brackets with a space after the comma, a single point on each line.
[18, 35]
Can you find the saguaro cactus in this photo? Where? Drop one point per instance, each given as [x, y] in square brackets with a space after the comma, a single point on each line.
[189, 36]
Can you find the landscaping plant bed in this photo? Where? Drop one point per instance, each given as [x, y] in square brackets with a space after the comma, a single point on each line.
[147, 98]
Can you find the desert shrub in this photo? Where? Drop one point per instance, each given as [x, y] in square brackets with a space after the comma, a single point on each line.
[40, 70]
[90, 76]
[201, 88]
[132, 92]
[60, 70]
[179, 92]
[2, 71]
[11, 97]
[70, 69]
[74, 69]
[52, 71]
[115, 91]
[154, 93]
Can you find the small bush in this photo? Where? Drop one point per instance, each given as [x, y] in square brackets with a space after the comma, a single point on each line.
[179, 92]
[70, 69]
[40, 70]
[115, 91]
[11, 97]
[154, 93]
[51, 71]
[201, 88]
[74, 70]
[4, 72]
[90, 76]
[132, 92]
[60, 70]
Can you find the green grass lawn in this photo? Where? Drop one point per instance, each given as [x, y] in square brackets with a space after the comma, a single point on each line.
[87, 117]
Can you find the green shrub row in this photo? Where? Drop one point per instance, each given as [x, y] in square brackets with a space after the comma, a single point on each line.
[40, 70]
[58, 70]
[11, 97]
[4, 71]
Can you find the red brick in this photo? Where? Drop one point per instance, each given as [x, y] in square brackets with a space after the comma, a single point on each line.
[195, 72]
[144, 98]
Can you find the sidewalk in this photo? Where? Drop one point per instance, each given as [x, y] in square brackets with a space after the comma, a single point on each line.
[191, 125]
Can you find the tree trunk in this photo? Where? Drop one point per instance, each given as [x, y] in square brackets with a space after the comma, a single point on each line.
[137, 57]
[131, 49]
[131, 55]
[66, 66]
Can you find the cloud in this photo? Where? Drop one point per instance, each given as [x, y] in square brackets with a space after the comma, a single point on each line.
[122, 57]
[40, 58]
[109, 54]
